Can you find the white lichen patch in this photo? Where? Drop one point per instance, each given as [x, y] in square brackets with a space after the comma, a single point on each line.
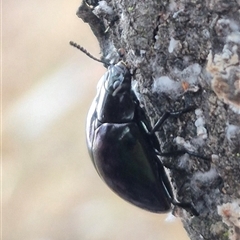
[199, 123]
[232, 131]
[186, 80]
[191, 73]
[224, 67]
[230, 213]
[167, 85]
[184, 163]
[184, 144]
[172, 5]
[234, 37]
[201, 180]
[173, 44]
[103, 9]
[205, 177]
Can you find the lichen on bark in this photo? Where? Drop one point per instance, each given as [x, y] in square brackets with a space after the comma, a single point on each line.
[185, 53]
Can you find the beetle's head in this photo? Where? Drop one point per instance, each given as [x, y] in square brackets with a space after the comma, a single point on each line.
[118, 79]
[115, 103]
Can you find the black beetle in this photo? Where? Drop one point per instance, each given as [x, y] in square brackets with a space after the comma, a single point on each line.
[123, 147]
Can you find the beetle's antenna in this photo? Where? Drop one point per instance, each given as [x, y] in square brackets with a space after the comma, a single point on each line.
[87, 53]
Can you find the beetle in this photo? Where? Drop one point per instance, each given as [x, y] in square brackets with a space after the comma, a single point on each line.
[124, 148]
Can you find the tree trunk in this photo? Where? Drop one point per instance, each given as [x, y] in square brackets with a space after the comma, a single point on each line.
[185, 53]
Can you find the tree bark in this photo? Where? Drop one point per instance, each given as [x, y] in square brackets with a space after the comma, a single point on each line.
[185, 53]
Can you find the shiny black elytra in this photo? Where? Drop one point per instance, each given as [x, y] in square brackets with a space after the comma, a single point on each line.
[123, 148]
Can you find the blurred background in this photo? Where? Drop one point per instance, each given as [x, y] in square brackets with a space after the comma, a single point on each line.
[50, 189]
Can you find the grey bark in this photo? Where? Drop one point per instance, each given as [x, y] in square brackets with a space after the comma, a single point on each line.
[185, 53]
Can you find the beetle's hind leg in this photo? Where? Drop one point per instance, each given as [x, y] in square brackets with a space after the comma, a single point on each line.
[185, 205]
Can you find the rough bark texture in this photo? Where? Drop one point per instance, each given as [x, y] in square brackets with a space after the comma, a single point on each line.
[185, 53]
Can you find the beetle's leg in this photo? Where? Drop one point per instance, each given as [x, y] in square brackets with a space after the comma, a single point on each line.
[166, 115]
[159, 123]
[188, 206]
[181, 152]
[185, 205]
